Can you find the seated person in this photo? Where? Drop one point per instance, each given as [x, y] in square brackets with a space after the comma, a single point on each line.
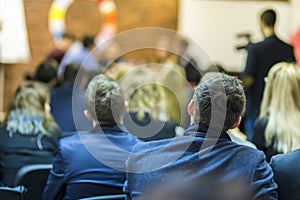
[47, 73]
[146, 118]
[61, 46]
[29, 134]
[93, 163]
[286, 168]
[80, 52]
[67, 102]
[277, 128]
[204, 163]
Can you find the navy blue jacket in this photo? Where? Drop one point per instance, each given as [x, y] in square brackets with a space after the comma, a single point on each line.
[261, 57]
[286, 169]
[90, 164]
[198, 166]
[67, 108]
[20, 150]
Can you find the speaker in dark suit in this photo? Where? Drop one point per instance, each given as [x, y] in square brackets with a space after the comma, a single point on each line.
[261, 57]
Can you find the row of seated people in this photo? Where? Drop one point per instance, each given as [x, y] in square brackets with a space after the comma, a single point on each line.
[187, 166]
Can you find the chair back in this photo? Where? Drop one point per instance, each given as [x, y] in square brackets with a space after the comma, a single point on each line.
[107, 197]
[16, 193]
[34, 178]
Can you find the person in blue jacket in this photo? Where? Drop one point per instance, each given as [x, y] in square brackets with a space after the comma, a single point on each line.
[204, 163]
[93, 163]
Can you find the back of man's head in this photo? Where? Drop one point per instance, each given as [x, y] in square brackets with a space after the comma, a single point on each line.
[69, 36]
[104, 100]
[46, 71]
[71, 72]
[268, 17]
[88, 41]
[219, 101]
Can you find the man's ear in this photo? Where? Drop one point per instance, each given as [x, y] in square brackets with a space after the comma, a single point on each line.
[88, 115]
[191, 108]
[237, 123]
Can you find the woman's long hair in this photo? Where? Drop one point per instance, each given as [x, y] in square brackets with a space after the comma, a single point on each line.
[34, 97]
[281, 106]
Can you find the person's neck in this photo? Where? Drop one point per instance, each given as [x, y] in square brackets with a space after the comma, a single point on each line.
[269, 32]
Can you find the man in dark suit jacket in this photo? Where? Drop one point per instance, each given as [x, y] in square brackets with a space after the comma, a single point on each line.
[261, 57]
[93, 163]
[205, 163]
[286, 169]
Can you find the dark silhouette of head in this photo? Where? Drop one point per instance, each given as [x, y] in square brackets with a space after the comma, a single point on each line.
[268, 17]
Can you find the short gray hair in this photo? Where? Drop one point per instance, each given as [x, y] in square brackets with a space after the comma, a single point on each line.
[222, 92]
[104, 100]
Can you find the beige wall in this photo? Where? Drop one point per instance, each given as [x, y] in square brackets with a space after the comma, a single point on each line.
[213, 24]
[295, 7]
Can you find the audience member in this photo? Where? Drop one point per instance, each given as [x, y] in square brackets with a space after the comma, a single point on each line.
[205, 162]
[47, 73]
[286, 168]
[172, 77]
[261, 57]
[235, 134]
[111, 56]
[67, 102]
[61, 47]
[192, 71]
[277, 128]
[80, 53]
[93, 163]
[29, 134]
[146, 118]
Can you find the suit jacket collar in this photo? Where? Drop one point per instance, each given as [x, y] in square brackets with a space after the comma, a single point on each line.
[271, 37]
[199, 130]
[113, 129]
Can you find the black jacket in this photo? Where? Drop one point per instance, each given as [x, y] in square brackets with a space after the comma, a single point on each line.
[261, 57]
[20, 150]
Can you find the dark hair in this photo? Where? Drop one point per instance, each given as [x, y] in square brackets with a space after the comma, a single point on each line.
[46, 71]
[104, 100]
[217, 95]
[69, 36]
[71, 71]
[268, 17]
[88, 41]
[184, 43]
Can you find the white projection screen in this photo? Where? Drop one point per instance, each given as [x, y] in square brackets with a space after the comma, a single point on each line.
[14, 46]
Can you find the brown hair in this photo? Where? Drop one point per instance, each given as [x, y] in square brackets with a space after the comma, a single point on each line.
[34, 96]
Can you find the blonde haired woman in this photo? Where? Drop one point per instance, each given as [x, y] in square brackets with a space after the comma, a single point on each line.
[147, 117]
[29, 135]
[277, 129]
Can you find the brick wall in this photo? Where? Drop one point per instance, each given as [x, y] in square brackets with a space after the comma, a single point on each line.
[82, 18]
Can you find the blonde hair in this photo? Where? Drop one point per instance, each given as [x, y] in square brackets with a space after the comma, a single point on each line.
[143, 93]
[29, 111]
[34, 96]
[281, 106]
[172, 77]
